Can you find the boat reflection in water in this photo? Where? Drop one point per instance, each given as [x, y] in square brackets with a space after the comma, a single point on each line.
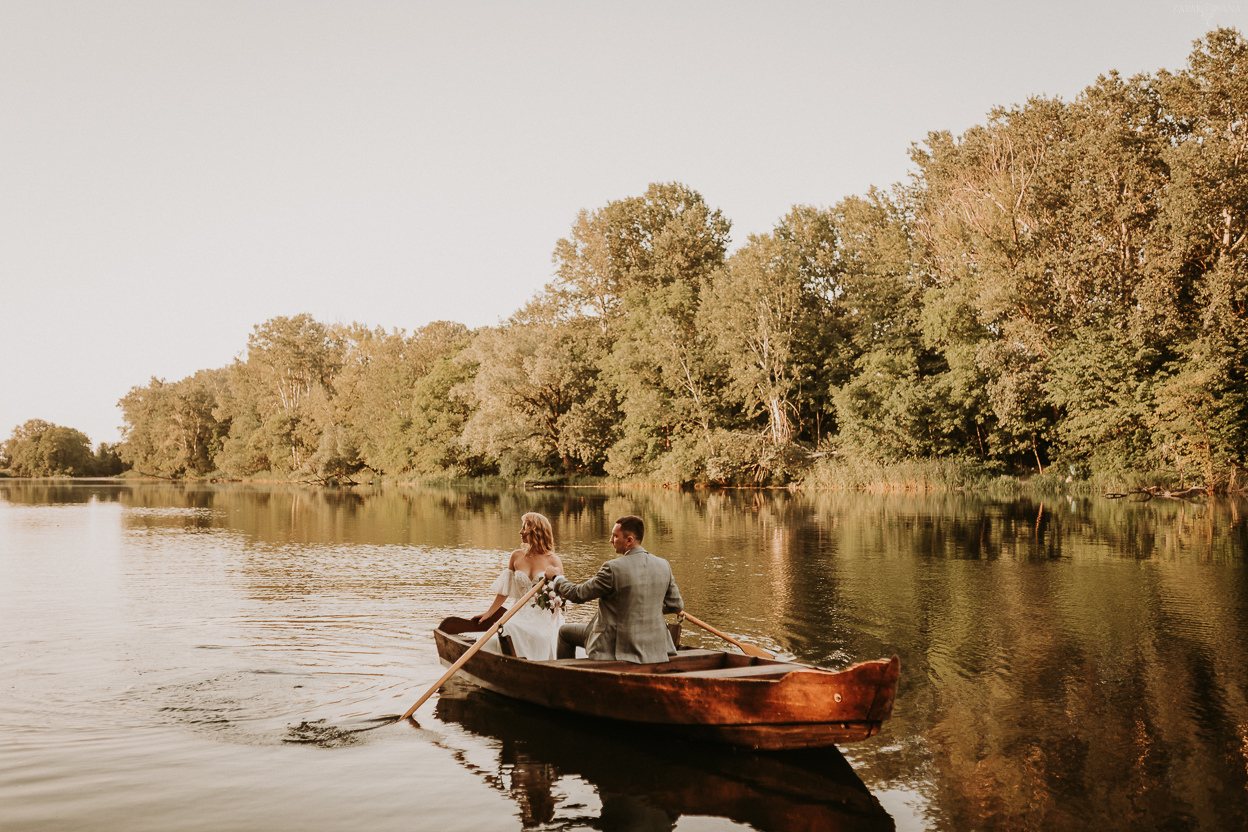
[646, 780]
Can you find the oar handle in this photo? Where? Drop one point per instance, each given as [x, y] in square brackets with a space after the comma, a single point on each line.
[710, 629]
[748, 649]
[471, 651]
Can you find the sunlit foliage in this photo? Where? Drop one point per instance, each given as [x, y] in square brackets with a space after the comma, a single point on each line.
[42, 449]
[1064, 286]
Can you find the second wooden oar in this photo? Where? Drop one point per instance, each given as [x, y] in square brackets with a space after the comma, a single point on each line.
[747, 649]
[471, 651]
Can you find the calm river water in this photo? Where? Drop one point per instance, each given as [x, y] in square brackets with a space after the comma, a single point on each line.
[201, 657]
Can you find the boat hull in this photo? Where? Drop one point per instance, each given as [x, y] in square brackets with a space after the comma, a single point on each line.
[705, 694]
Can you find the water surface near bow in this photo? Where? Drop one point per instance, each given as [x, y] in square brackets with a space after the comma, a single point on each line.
[201, 657]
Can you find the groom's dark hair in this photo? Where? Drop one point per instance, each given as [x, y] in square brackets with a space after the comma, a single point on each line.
[632, 525]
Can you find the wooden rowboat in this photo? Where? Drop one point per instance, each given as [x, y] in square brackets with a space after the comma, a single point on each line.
[766, 704]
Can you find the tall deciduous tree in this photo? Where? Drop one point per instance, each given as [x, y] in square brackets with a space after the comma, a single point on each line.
[381, 403]
[434, 440]
[903, 382]
[530, 388]
[667, 236]
[1198, 295]
[170, 430]
[765, 310]
[637, 267]
[987, 216]
[279, 399]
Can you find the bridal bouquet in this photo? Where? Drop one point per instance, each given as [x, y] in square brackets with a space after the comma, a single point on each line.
[548, 599]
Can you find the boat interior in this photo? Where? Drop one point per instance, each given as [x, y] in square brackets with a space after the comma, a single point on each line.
[689, 661]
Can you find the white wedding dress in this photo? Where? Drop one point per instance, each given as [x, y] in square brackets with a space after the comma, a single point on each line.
[533, 631]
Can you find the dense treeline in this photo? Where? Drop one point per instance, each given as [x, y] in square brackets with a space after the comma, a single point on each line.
[1064, 285]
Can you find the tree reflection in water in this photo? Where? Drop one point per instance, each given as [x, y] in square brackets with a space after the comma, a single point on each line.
[646, 780]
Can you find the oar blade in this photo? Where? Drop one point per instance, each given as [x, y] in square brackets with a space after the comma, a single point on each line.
[755, 651]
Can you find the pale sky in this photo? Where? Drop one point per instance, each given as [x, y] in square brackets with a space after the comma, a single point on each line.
[174, 173]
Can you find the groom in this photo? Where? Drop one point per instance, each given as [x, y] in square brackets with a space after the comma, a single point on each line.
[634, 591]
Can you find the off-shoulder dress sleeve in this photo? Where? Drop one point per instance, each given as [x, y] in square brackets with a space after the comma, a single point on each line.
[502, 584]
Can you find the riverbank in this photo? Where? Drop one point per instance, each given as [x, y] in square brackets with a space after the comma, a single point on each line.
[830, 475]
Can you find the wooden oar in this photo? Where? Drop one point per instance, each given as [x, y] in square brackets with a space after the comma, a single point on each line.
[471, 651]
[747, 649]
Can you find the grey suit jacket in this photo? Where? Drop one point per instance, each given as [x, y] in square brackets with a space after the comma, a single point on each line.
[634, 591]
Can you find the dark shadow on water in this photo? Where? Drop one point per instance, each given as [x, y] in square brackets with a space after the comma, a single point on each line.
[322, 734]
[647, 780]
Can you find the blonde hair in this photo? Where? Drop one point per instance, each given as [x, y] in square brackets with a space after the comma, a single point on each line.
[535, 531]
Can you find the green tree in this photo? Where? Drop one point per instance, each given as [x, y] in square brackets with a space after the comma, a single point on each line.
[988, 216]
[440, 412]
[666, 377]
[531, 383]
[42, 449]
[902, 379]
[636, 268]
[764, 311]
[644, 243]
[279, 400]
[170, 430]
[108, 461]
[1199, 293]
[337, 460]
[1101, 354]
[380, 399]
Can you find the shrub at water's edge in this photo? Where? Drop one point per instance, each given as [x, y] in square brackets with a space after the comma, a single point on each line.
[857, 471]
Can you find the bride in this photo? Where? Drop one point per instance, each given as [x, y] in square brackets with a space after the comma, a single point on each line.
[533, 631]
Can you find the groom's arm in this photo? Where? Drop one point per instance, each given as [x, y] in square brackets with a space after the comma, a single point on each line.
[599, 586]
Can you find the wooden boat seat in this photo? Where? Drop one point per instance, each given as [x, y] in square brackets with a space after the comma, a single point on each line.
[682, 662]
[748, 670]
